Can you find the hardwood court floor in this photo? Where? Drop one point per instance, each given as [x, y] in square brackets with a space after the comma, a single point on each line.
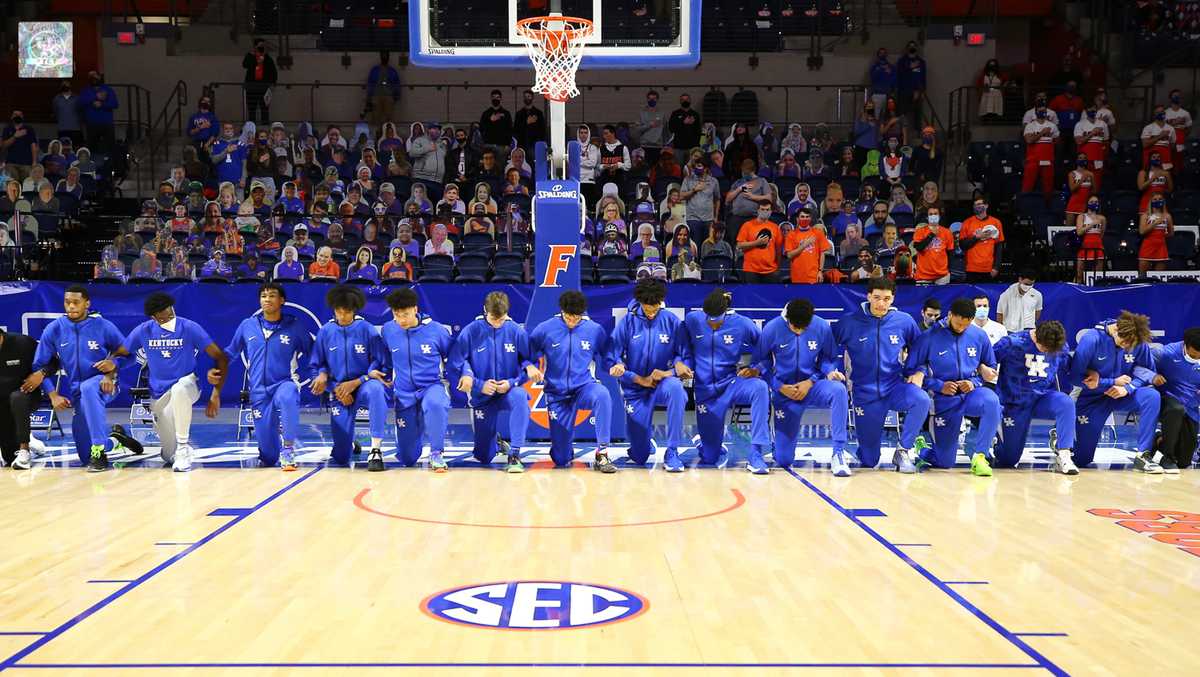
[323, 571]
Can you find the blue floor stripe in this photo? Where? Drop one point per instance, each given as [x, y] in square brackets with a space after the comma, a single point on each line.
[22, 634]
[331, 665]
[937, 582]
[866, 512]
[233, 512]
[243, 513]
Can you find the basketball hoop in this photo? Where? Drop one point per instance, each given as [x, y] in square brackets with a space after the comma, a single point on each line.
[555, 45]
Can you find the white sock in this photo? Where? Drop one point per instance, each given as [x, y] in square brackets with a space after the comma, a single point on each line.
[376, 442]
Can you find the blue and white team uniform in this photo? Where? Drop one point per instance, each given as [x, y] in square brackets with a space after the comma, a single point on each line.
[169, 352]
[350, 353]
[877, 377]
[1182, 390]
[418, 357]
[644, 345]
[272, 350]
[485, 353]
[570, 381]
[1097, 351]
[79, 345]
[788, 358]
[946, 356]
[1030, 388]
[714, 355]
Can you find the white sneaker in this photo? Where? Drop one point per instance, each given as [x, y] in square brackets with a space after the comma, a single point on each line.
[183, 458]
[36, 447]
[839, 463]
[1064, 464]
[22, 461]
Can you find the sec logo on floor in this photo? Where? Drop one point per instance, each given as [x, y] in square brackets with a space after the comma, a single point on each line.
[534, 605]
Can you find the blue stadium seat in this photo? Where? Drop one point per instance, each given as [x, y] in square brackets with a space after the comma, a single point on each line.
[612, 269]
[717, 269]
[473, 267]
[509, 267]
[437, 268]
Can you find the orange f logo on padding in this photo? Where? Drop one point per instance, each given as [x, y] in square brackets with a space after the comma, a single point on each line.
[560, 260]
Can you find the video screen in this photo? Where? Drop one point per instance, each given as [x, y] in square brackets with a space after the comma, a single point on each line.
[45, 49]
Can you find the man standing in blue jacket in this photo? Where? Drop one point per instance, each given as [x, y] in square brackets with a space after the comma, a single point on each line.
[272, 343]
[883, 80]
[644, 353]
[571, 343]
[1178, 381]
[800, 358]
[98, 101]
[492, 356]
[1115, 367]
[349, 350]
[169, 344]
[713, 341]
[951, 353]
[875, 336]
[1030, 362]
[87, 346]
[419, 348]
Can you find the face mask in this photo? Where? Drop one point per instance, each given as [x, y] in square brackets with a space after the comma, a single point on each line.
[1160, 116]
[935, 218]
[1176, 99]
[1091, 115]
[764, 215]
[748, 176]
[981, 313]
[870, 111]
[1081, 163]
[1024, 287]
[698, 171]
[17, 119]
[496, 103]
[981, 212]
[1157, 204]
[804, 223]
[1155, 162]
[685, 104]
[912, 50]
[1041, 115]
[1094, 207]
[651, 103]
[1039, 102]
[893, 144]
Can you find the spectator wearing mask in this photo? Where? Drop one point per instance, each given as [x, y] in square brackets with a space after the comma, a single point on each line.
[529, 124]
[67, 113]
[882, 77]
[891, 124]
[1040, 136]
[911, 72]
[428, 154]
[931, 312]
[759, 241]
[867, 268]
[496, 124]
[1178, 118]
[461, 160]
[1089, 227]
[1103, 112]
[260, 75]
[1081, 184]
[991, 100]
[1020, 306]
[383, 91]
[933, 243]
[982, 241]
[1092, 137]
[805, 248]
[1068, 106]
[21, 143]
[99, 101]
[702, 197]
[1039, 102]
[748, 195]
[685, 128]
[203, 128]
[229, 156]
[927, 160]
[651, 127]
[1155, 226]
[1158, 137]
[866, 131]
[1154, 180]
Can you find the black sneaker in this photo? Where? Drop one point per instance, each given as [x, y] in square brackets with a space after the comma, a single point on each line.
[124, 439]
[1168, 465]
[375, 461]
[357, 449]
[99, 462]
[1144, 462]
[603, 464]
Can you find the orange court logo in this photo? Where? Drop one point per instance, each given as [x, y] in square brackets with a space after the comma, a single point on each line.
[1173, 527]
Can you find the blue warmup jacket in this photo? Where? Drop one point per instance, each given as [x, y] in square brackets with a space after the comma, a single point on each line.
[272, 360]
[78, 346]
[569, 354]
[643, 345]
[417, 355]
[484, 353]
[1097, 351]
[946, 356]
[714, 355]
[346, 353]
[169, 355]
[1183, 377]
[874, 345]
[1027, 373]
[785, 357]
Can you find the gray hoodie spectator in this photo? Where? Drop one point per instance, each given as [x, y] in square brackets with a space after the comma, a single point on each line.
[652, 123]
[428, 155]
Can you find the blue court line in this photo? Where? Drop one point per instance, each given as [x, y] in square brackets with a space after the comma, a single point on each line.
[965, 582]
[233, 512]
[866, 512]
[22, 634]
[1041, 634]
[937, 582]
[11, 661]
[111, 580]
[759, 666]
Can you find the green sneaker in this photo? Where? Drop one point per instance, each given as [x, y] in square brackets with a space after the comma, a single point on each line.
[980, 466]
[99, 461]
[514, 466]
[922, 465]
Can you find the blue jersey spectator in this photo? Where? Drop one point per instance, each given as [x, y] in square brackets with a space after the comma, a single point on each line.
[98, 101]
[229, 156]
[67, 114]
[883, 79]
[203, 125]
[21, 142]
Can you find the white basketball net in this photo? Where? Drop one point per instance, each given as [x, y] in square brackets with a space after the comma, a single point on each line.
[555, 45]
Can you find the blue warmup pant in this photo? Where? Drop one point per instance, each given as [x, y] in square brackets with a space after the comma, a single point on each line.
[788, 413]
[905, 398]
[639, 414]
[279, 407]
[371, 395]
[710, 416]
[89, 426]
[427, 419]
[1092, 412]
[1014, 429]
[594, 397]
[948, 413]
[487, 415]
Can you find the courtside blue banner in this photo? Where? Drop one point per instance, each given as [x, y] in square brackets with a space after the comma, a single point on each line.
[28, 307]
